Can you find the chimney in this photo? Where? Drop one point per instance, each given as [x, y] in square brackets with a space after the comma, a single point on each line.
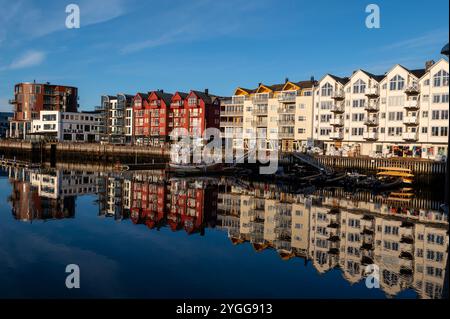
[312, 78]
[429, 64]
[162, 91]
[286, 80]
[207, 91]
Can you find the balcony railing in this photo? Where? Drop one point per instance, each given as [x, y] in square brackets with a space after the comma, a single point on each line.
[285, 134]
[286, 110]
[337, 135]
[287, 97]
[372, 107]
[372, 122]
[259, 123]
[337, 122]
[225, 112]
[260, 99]
[338, 95]
[259, 111]
[412, 89]
[336, 108]
[373, 91]
[286, 122]
[371, 136]
[412, 104]
[411, 136]
[411, 120]
[230, 124]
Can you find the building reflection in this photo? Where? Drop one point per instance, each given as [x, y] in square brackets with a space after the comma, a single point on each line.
[331, 229]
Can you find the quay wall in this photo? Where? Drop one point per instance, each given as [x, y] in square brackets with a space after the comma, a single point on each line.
[88, 152]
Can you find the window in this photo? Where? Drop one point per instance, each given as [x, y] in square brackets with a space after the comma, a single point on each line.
[397, 83]
[435, 115]
[425, 114]
[444, 98]
[444, 115]
[424, 130]
[426, 82]
[327, 89]
[435, 131]
[436, 98]
[359, 87]
[444, 131]
[440, 78]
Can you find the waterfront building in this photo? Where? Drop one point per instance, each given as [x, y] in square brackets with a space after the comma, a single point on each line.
[67, 126]
[400, 113]
[151, 118]
[119, 122]
[5, 118]
[280, 112]
[32, 98]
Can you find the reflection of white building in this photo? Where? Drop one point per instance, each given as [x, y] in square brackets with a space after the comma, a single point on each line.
[59, 184]
[408, 245]
[67, 126]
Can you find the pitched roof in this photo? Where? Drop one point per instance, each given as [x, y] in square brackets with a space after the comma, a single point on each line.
[418, 72]
[306, 84]
[276, 87]
[167, 97]
[343, 80]
[183, 95]
[249, 91]
[207, 98]
[142, 95]
[377, 78]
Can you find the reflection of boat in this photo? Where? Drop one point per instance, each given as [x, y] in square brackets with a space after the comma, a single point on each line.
[404, 173]
[404, 195]
[196, 168]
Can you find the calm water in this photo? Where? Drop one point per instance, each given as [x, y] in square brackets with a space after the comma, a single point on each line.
[146, 235]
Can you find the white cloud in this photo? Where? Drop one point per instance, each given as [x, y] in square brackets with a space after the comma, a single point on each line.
[29, 59]
[431, 39]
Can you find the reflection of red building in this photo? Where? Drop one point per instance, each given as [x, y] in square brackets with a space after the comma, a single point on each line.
[183, 204]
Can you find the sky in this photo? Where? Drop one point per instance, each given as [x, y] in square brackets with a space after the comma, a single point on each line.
[135, 46]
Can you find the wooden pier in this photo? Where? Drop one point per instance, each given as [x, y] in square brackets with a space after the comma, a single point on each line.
[418, 166]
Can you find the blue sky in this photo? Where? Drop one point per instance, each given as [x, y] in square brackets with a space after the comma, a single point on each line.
[131, 45]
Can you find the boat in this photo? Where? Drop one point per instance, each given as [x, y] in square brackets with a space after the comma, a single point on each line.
[396, 172]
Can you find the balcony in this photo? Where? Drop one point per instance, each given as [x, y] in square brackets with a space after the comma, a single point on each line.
[337, 122]
[237, 112]
[412, 89]
[336, 108]
[411, 120]
[259, 111]
[372, 107]
[285, 134]
[412, 105]
[373, 92]
[372, 122]
[260, 99]
[287, 97]
[411, 136]
[286, 122]
[338, 95]
[371, 136]
[260, 123]
[337, 135]
[230, 124]
[286, 110]
[176, 104]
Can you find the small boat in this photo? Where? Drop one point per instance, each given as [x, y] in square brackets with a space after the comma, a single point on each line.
[404, 173]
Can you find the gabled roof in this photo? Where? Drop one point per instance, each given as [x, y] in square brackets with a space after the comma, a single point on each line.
[143, 96]
[244, 90]
[343, 80]
[377, 78]
[183, 95]
[418, 73]
[207, 98]
[306, 84]
[166, 97]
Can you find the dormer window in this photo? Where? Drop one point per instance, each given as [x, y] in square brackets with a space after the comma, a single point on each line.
[397, 83]
[327, 89]
[359, 87]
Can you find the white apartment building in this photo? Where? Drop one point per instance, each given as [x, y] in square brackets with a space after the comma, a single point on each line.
[119, 121]
[280, 113]
[401, 113]
[67, 126]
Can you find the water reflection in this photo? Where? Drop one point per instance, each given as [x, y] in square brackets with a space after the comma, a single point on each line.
[331, 228]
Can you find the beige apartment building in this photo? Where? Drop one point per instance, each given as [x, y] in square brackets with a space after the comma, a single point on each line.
[400, 113]
[280, 113]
